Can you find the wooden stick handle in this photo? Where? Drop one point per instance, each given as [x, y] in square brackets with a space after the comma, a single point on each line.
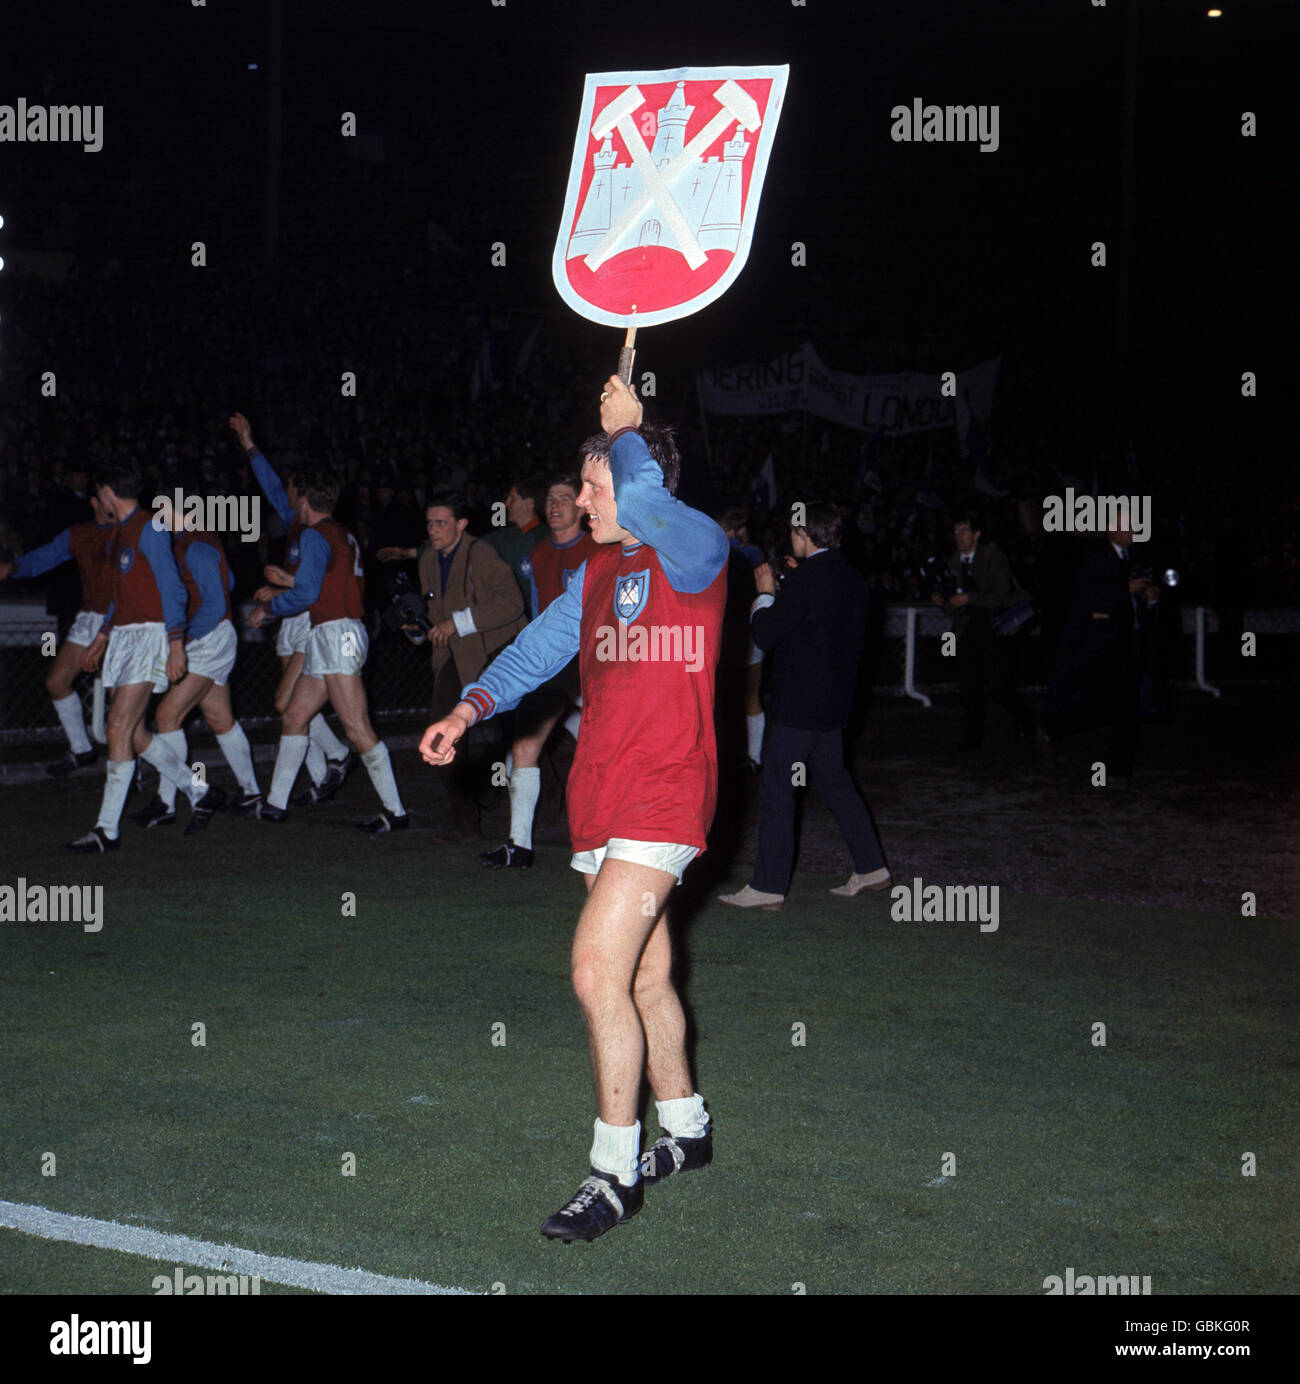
[626, 356]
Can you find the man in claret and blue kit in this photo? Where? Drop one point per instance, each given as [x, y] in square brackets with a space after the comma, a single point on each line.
[644, 617]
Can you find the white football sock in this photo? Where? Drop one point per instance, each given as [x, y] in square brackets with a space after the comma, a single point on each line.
[331, 746]
[288, 760]
[171, 765]
[239, 755]
[754, 726]
[615, 1151]
[572, 721]
[683, 1119]
[380, 768]
[73, 720]
[510, 764]
[176, 739]
[525, 789]
[116, 788]
[316, 765]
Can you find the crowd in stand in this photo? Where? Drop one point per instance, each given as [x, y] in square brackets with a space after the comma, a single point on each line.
[151, 366]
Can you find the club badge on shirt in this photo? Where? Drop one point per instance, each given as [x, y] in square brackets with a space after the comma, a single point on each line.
[125, 559]
[630, 595]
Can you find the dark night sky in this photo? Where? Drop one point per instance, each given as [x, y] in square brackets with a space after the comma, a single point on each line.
[921, 244]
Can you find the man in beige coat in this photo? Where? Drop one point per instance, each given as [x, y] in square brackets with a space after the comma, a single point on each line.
[475, 609]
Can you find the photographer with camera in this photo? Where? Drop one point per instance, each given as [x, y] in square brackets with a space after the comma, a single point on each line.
[976, 586]
[472, 609]
[811, 615]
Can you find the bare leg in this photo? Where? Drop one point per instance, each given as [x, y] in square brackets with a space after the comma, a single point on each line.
[622, 910]
[347, 695]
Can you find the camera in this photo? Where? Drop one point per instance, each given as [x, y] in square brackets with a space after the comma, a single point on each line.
[406, 607]
[1147, 573]
[935, 575]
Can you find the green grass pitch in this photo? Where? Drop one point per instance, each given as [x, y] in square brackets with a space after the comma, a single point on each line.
[372, 1035]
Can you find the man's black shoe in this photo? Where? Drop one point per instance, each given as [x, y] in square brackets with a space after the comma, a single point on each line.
[601, 1203]
[312, 793]
[668, 1156]
[205, 809]
[386, 821]
[71, 762]
[156, 814]
[94, 842]
[247, 805]
[507, 857]
[272, 814]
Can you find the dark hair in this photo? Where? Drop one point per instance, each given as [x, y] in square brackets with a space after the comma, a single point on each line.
[569, 478]
[967, 514]
[122, 478]
[597, 445]
[822, 524]
[445, 497]
[319, 487]
[661, 441]
[735, 518]
[533, 488]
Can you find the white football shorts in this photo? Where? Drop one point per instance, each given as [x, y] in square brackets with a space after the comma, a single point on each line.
[337, 646]
[84, 628]
[295, 631]
[213, 656]
[137, 653]
[659, 855]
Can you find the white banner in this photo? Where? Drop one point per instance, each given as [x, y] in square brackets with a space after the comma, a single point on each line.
[905, 402]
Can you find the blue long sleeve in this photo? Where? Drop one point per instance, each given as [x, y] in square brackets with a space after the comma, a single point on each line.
[41, 560]
[540, 651]
[536, 600]
[272, 486]
[204, 563]
[307, 580]
[692, 549]
[156, 545]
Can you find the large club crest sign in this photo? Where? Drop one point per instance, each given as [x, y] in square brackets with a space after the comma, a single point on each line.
[667, 172]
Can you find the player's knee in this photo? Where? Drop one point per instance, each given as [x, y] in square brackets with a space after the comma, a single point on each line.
[527, 754]
[220, 725]
[590, 979]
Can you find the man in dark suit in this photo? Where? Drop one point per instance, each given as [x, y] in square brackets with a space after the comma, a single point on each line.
[814, 629]
[985, 589]
[1099, 668]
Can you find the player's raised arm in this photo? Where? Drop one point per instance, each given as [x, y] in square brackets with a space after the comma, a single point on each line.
[267, 476]
[691, 547]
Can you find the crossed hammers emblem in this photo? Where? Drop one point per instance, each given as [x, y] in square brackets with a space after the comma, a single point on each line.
[735, 104]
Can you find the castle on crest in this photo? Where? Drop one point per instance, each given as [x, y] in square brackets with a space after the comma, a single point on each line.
[707, 193]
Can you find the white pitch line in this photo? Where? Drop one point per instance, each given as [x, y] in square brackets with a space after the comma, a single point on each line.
[180, 1249]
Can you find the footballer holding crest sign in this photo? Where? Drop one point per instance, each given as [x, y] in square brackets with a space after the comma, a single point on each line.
[644, 617]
